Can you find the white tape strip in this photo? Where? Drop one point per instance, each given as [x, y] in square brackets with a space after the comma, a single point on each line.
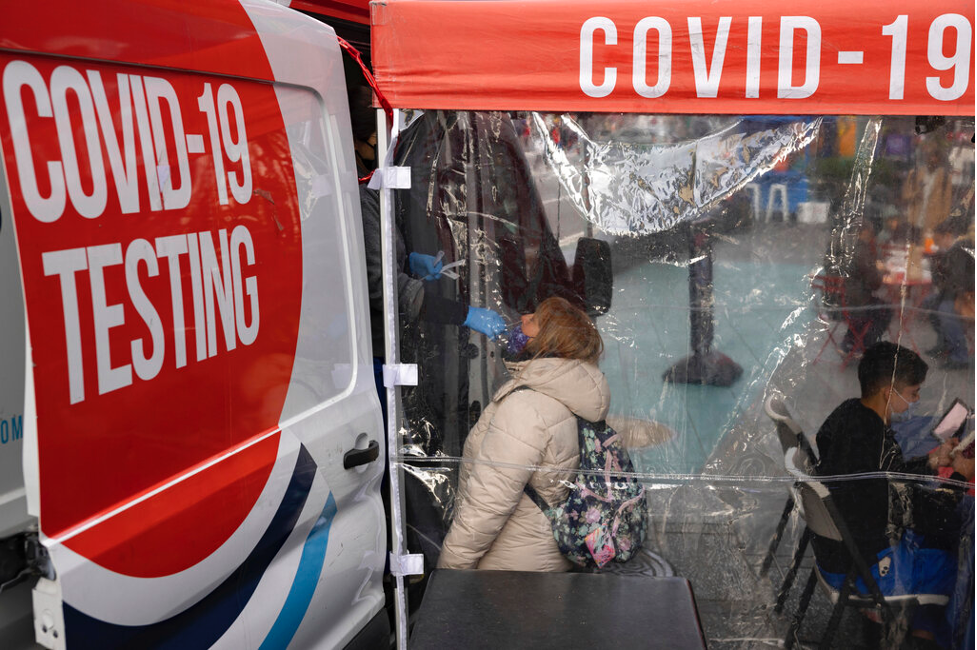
[407, 565]
[396, 178]
[376, 181]
[400, 374]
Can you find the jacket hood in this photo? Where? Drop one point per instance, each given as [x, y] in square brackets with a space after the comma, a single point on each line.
[580, 386]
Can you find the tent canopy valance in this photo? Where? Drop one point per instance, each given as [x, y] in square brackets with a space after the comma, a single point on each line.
[880, 57]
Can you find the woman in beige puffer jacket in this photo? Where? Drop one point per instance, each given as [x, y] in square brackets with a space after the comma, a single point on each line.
[528, 434]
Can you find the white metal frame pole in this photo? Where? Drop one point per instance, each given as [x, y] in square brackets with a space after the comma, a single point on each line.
[391, 337]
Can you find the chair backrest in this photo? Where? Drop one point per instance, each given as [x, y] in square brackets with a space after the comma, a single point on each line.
[813, 496]
[798, 464]
[788, 431]
[822, 519]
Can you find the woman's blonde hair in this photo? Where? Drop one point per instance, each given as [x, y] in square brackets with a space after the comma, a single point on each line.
[566, 332]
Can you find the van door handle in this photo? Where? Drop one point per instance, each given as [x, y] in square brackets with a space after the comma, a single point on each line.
[356, 457]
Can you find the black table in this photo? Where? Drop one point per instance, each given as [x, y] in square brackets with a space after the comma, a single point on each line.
[517, 609]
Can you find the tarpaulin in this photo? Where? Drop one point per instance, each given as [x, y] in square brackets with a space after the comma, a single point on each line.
[889, 58]
[784, 245]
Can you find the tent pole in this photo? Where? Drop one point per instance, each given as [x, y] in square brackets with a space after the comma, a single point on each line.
[398, 543]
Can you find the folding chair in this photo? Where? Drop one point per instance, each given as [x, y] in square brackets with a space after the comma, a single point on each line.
[788, 430]
[791, 437]
[823, 519]
[834, 312]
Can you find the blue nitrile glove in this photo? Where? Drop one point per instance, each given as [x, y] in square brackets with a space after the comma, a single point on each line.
[485, 321]
[426, 267]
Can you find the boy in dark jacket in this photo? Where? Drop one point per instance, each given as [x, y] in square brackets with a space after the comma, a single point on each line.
[856, 439]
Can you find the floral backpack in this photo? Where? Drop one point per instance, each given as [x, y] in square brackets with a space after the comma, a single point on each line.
[603, 517]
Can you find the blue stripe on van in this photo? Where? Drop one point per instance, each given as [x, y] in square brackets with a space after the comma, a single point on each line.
[203, 623]
[306, 579]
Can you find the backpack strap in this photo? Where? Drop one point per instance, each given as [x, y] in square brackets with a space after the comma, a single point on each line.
[599, 425]
[534, 495]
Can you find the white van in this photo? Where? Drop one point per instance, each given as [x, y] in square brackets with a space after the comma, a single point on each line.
[190, 436]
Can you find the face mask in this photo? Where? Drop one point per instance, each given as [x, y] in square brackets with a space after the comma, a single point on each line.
[910, 411]
[517, 340]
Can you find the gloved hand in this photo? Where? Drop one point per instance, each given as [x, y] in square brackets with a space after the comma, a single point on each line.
[485, 321]
[426, 267]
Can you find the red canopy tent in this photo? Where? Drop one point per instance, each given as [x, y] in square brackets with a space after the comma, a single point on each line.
[722, 58]
[888, 57]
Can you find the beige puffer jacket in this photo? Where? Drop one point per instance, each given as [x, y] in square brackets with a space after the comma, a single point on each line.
[522, 436]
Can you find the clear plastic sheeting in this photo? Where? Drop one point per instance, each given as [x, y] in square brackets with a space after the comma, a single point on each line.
[729, 265]
[632, 180]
